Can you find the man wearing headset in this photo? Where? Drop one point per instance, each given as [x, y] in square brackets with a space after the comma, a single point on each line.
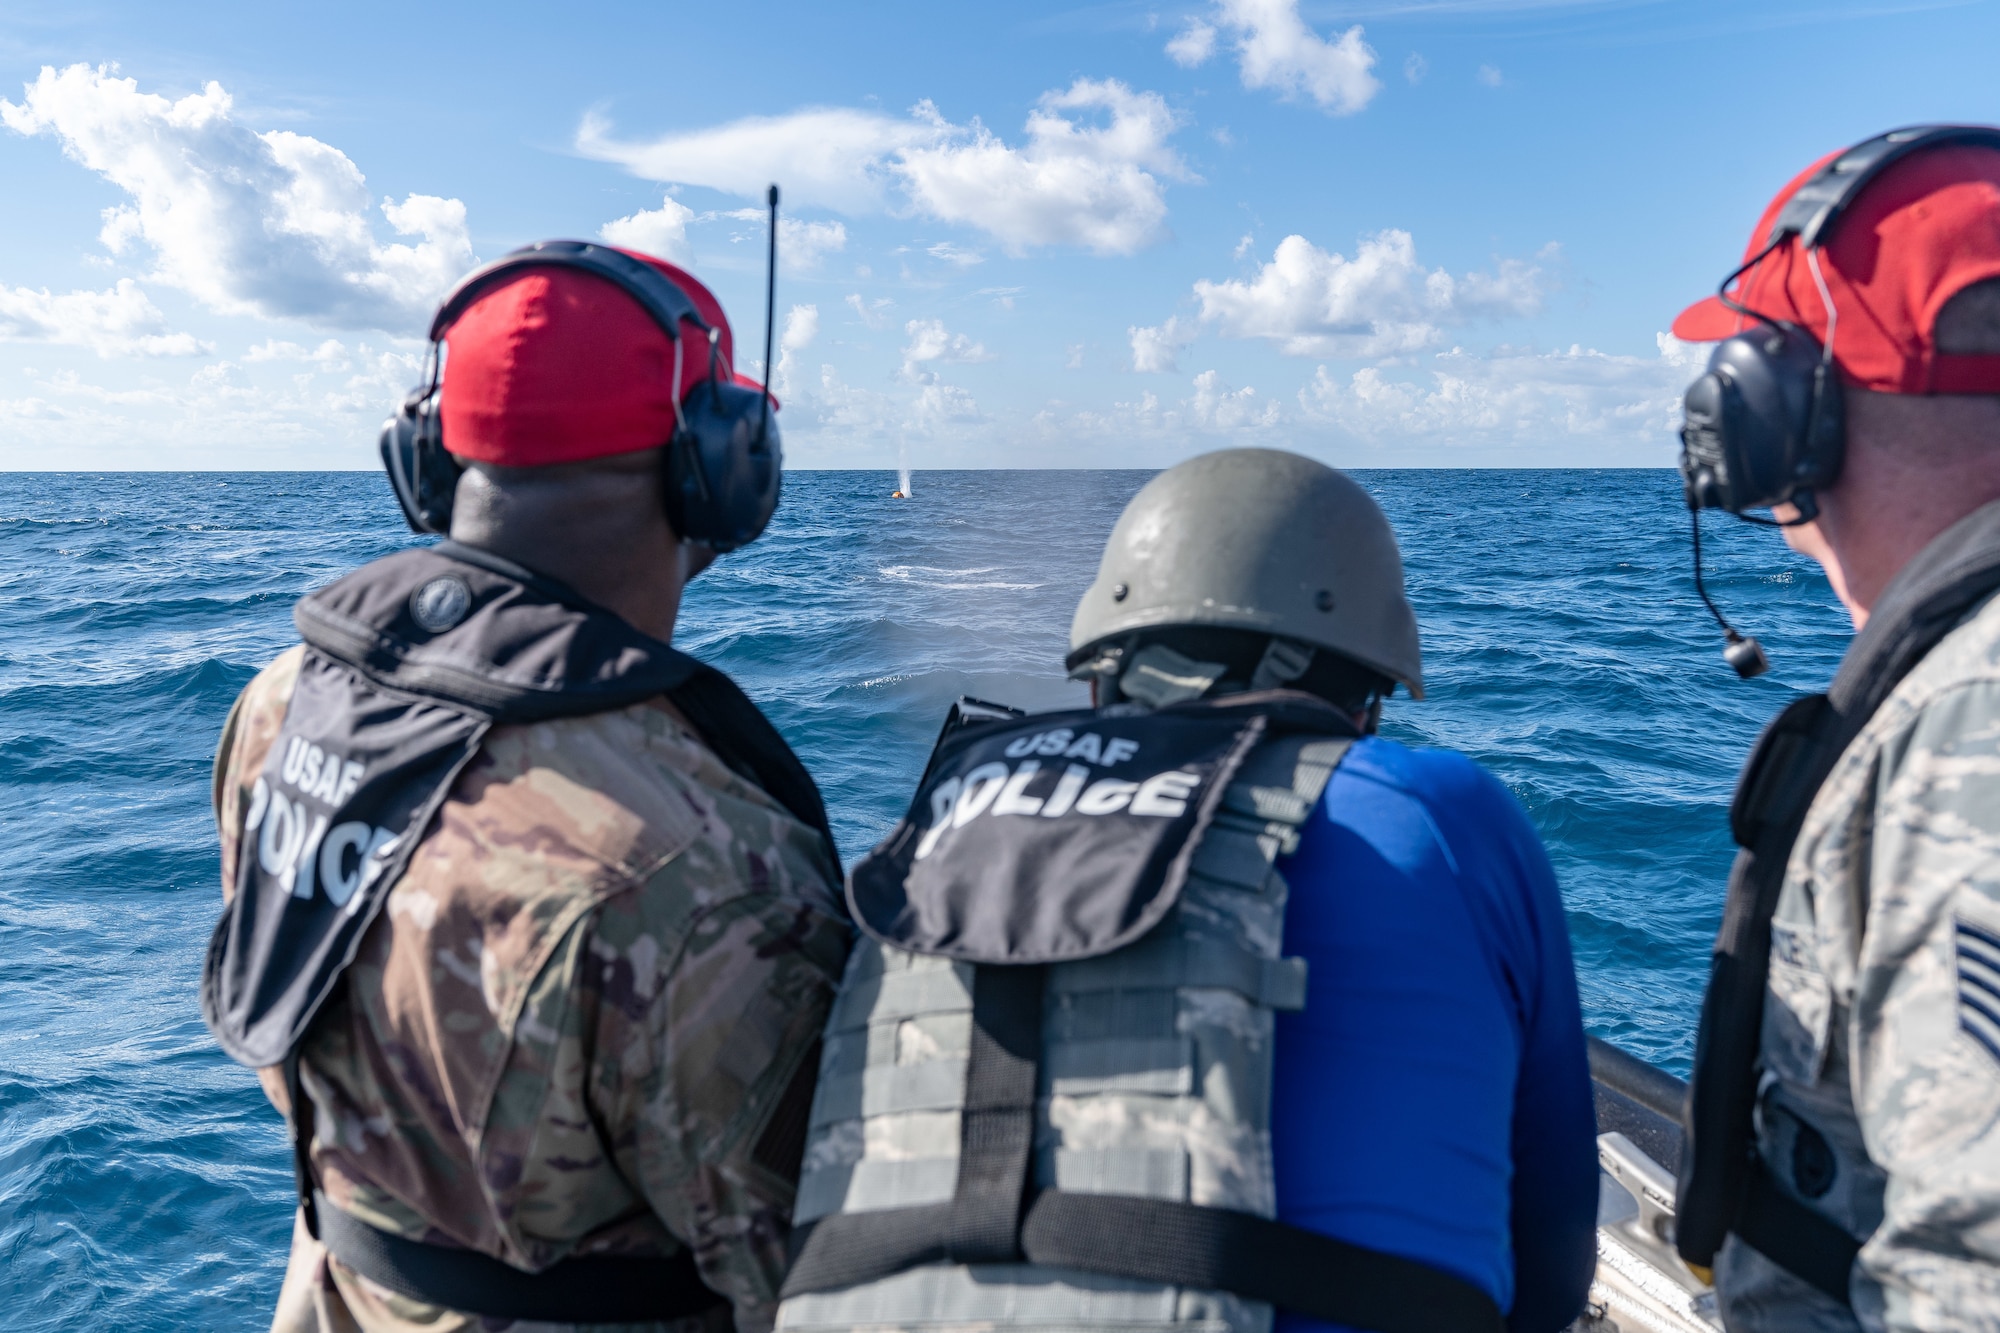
[575, 1045]
[1843, 1164]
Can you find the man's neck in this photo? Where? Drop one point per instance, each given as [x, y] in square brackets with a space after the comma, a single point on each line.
[644, 592]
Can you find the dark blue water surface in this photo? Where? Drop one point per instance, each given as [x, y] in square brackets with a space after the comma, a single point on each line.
[143, 1179]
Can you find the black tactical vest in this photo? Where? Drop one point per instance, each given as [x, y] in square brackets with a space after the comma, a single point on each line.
[409, 662]
[1723, 1187]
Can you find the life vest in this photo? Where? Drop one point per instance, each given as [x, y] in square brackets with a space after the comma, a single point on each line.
[1044, 1094]
[1724, 1187]
[409, 662]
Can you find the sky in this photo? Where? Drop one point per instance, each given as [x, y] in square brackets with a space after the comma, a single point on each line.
[1427, 234]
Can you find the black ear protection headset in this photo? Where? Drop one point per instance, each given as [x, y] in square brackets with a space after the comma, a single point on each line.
[1766, 424]
[724, 460]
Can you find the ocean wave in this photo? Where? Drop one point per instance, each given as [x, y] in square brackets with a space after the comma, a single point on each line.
[950, 579]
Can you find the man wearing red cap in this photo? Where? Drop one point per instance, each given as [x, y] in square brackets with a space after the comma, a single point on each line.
[1843, 1162]
[585, 930]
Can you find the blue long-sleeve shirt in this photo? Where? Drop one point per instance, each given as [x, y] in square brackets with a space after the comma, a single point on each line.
[1433, 1098]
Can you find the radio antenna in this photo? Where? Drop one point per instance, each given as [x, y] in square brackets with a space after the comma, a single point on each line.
[770, 312]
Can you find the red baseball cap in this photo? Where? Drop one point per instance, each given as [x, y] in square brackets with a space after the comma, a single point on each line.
[559, 366]
[1915, 236]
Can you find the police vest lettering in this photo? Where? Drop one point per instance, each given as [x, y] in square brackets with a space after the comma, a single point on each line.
[1110, 803]
[294, 842]
[1045, 1087]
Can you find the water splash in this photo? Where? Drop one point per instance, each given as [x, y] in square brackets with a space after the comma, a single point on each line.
[903, 469]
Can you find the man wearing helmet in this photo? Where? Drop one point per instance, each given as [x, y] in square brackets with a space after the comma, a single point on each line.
[531, 925]
[1843, 1169]
[1207, 1001]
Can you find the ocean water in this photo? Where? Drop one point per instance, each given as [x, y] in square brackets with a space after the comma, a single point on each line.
[143, 1180]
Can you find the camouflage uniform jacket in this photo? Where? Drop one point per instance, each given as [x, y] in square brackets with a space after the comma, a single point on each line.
[585, 1020]
[1879, 1102]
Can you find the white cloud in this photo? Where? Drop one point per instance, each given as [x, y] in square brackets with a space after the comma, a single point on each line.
[661, 231]
[830, 156]
[275, 224]
[929, 342]
[1213, 410]
[803, 245]
[1513, 396]
[1686, 358]
[1216, 406]
[1193, 45]
[1489, 76]
[1415, 67]
[283, 406]
[1074, 182]
[952, 254]
[870, 313]
[1155, 350]
[1275, 49]
[1382, 302]
[826, 417]
[122, 321]
[944, 404]
[332, 354]
[801, 327]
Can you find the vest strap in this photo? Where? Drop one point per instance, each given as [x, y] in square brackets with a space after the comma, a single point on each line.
[1175, 1244]
[584, 1289]
[1186, 1245]
[1794, 1235]
[997, 1124]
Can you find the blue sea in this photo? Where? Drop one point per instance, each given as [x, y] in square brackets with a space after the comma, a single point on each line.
[144, 1182]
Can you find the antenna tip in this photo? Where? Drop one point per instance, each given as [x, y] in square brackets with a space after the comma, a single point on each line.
[772, 198]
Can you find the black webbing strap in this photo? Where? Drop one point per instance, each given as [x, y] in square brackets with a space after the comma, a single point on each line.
[586, 1289]
[846, 1248]
[300, 1123]
[1186, 1245]
[996, 1141]
[1794, 1236]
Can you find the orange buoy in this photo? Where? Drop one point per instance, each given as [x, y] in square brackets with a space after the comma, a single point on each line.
[897, 495]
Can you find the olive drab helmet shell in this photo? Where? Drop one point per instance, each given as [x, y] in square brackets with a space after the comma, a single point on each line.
[1263, 540]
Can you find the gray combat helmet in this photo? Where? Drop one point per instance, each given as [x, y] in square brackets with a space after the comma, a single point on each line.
[1262, 540]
